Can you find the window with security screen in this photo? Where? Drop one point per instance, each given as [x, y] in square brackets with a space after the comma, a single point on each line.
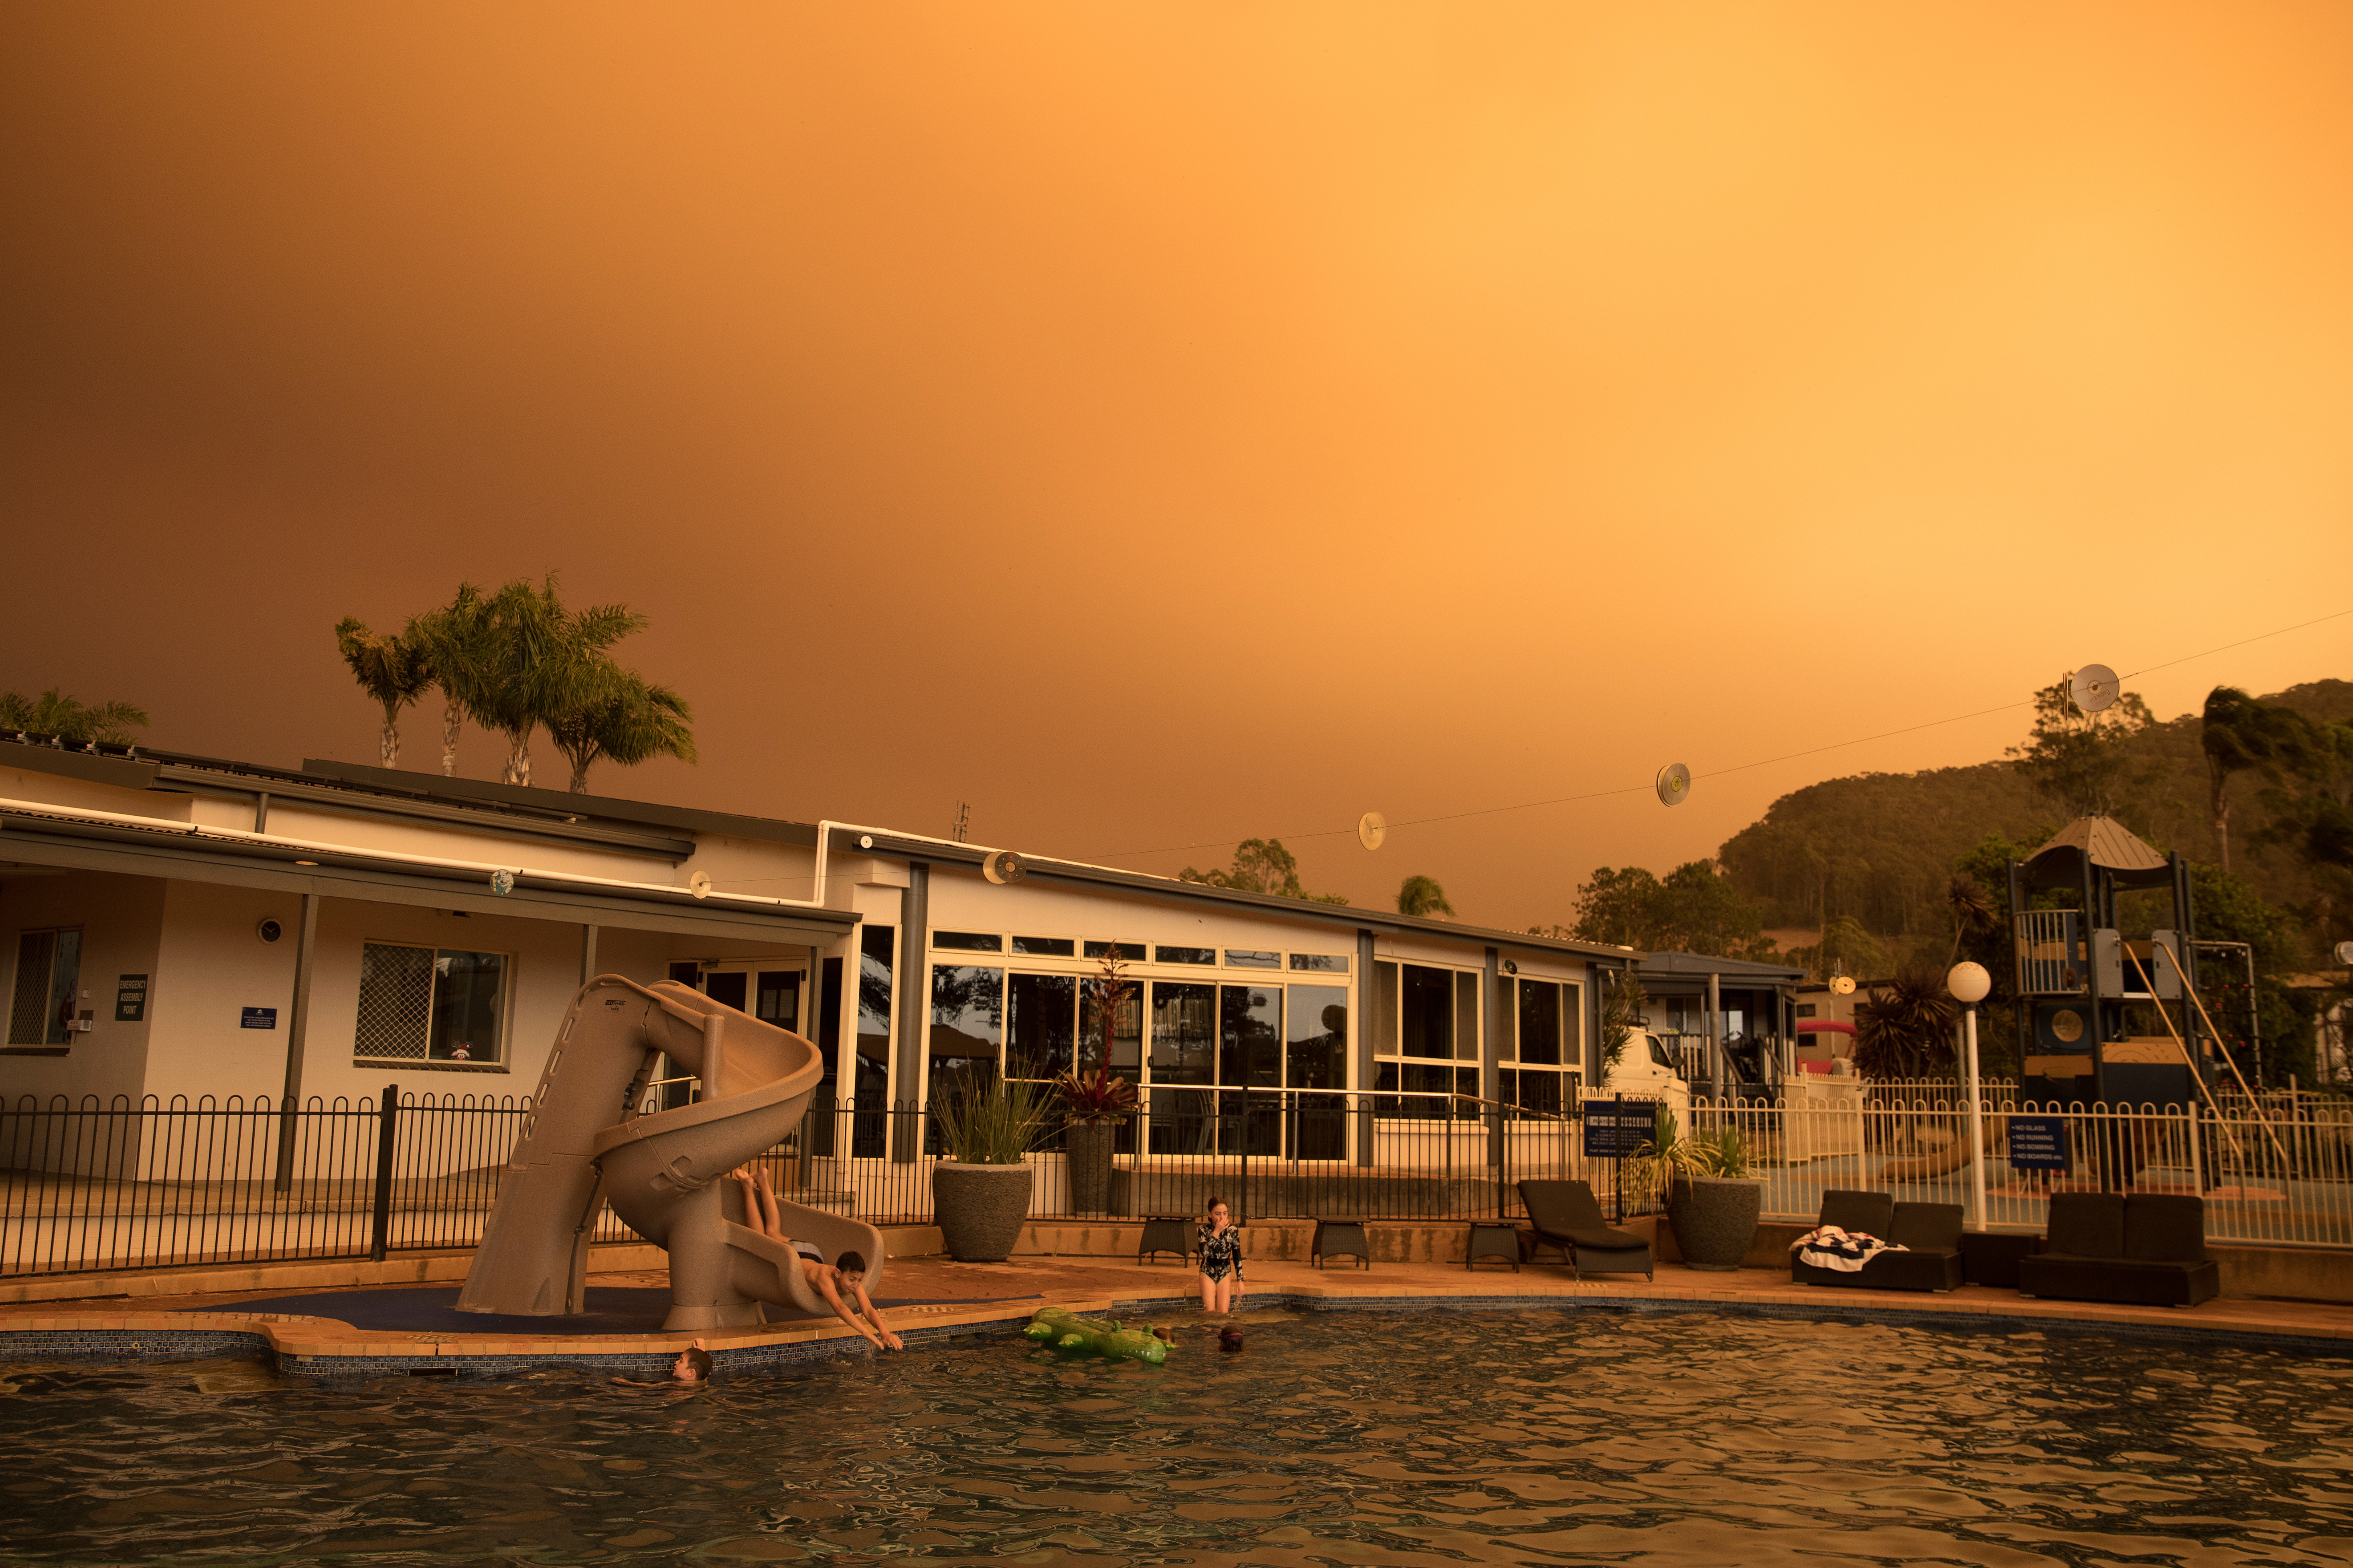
[48, 972]
[430, 1004]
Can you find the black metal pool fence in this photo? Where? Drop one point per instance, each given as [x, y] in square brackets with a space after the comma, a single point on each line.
[93, 1187]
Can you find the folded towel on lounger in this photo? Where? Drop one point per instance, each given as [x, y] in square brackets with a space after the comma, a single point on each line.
[1828, 1246]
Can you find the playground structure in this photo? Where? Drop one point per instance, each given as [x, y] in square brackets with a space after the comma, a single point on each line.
[662, 1171]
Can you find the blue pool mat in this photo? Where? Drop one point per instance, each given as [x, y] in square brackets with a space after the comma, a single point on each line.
[612, 1309]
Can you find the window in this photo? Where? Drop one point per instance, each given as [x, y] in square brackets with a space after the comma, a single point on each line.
[1186, 955]
[967, 1029]
[429, 1004]
[1243, 958]
[1042, 1015]
[1126, 1028]
[1184, 1032]
[1543, 1017]
[1128, 952]
[1317, 1043]
[1324, 963]
[870, 1092]
[1250, 1036]
[1046, 946]
[1430, 1018]
[968, 941]
[48, 986]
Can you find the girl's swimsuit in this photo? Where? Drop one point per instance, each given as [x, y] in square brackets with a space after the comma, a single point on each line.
[1220, 1252]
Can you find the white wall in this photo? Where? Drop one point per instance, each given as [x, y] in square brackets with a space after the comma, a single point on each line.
[121, 919]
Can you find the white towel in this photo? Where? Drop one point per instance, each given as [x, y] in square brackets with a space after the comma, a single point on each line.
[1828, 1246]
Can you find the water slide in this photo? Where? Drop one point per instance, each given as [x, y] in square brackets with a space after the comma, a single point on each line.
[665, 1173]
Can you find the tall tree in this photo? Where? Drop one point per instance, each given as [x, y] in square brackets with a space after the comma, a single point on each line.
[1905, 1028]
[2238, 734]
[630, 722]
[1260, 866]
[69, 718]
[1420, 895]
[2084, 763]
[537, 661]
[1694, 909]
[458, 643]
[391, 669]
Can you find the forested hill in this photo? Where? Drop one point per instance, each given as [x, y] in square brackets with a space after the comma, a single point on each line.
[1881, 846]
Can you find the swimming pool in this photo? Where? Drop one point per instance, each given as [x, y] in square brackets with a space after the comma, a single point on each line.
[1585, 1435]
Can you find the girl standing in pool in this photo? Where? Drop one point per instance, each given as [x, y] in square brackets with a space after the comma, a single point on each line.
[1219, 1243]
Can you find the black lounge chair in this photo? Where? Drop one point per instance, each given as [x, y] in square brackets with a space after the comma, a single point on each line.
[2148, 1250]
[1929, 1232]
[1564, 1216]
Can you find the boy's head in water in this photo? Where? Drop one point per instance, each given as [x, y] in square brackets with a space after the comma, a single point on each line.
[692, 1365]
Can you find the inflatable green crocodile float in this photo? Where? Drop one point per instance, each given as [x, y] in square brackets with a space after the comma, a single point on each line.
[1066, 1330]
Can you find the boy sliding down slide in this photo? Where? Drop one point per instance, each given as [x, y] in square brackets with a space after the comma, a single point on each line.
[826, 1280]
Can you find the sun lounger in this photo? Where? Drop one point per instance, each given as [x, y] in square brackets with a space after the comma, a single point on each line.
[1564, 1216]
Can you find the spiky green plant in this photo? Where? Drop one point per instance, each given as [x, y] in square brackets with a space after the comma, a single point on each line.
[992, 1126]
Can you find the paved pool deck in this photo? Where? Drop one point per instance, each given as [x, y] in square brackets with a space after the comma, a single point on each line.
[970, 1298]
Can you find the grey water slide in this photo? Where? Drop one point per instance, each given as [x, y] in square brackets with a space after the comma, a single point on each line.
[666, 1172]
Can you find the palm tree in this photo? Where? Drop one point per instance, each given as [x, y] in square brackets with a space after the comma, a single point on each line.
[455, 643]
[2237, 733]
[1422, 896]
[391, 669]
[631, 721]
[69, 718]
[1905, 1030]
[546, 661]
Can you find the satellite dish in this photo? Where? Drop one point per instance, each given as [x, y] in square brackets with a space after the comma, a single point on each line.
[1003, 866]
[2345, 953]
[2093, 687]
[1371, 828]
[1842, 987]
[699, 884]
[1674, 785]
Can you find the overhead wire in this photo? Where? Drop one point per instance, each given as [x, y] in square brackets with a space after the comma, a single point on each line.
[1736, 768]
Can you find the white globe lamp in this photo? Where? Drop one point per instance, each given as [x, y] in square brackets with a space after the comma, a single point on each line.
[1969, 984]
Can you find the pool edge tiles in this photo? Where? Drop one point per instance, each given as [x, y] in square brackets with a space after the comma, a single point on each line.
[324, 1347]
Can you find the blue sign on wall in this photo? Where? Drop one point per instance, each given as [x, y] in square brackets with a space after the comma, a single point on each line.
[2037, 1142]
[259, 1018]
[1615, 1130]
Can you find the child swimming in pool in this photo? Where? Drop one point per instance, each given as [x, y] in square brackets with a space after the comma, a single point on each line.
[1219, 1243]
[828, 1280]
[692, 1366]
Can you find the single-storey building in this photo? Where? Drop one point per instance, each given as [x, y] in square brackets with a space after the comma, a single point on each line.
[182, 926]
[1731, 1022]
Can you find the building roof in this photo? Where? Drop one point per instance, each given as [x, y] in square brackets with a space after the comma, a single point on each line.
[1679, 970]
[654, 830]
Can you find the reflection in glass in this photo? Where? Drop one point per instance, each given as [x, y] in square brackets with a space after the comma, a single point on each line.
[1427, 1011]
[1045, 946]
[825, 1127]
[872, 1089]
[968, 1029]
[468, 1006]
[1126, 1029]
[1250, 1036]
[1466, 1017]
[1131, 951]
[1041, 1024]
[1186, 955]
[1245, 958]
[1184, 1032]
[1539, 1023]
[777, 999]
[1318, 1036]
[1329, 963]
[968, 941]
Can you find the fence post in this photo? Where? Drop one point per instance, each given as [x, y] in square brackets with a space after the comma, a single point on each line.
[387, 1126]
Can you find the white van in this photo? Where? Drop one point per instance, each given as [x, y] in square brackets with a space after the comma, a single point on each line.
[1645, 1070]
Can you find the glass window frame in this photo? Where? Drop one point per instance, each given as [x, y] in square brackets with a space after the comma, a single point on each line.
[502, 1060]
[53, 1032]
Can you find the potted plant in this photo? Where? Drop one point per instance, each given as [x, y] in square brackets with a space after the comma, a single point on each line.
[1094, 1103]
[1712, 1202]
[980, 1187]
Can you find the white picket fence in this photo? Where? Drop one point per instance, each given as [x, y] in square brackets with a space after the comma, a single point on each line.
[2277, 1171]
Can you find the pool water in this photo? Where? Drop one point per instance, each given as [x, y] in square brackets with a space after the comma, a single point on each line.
[1585, 1435]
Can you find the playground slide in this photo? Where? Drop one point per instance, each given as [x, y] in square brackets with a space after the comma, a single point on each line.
[665, 1173]
[1950, 1158]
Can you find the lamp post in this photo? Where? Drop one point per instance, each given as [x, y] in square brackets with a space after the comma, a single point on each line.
[1969, 983]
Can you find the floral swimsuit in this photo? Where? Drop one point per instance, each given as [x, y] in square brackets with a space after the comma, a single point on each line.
[1219, 1252]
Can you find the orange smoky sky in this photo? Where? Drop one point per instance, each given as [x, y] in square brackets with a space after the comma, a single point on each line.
[1157, 425]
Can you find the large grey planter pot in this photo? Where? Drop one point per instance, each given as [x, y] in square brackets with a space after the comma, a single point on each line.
[1715, 1218]
[1088, 1144]
[979, 1209]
